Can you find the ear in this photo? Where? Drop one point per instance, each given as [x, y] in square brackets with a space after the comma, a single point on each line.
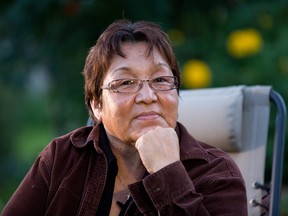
[97, 110]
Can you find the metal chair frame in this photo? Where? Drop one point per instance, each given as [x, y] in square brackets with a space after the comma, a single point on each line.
[278, 153]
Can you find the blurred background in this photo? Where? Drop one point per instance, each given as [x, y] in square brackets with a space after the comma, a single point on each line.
[43, 46]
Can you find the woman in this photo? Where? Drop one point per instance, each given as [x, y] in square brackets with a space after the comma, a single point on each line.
[136, 159]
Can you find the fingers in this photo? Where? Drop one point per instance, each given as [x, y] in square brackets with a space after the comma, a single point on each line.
[158, 148]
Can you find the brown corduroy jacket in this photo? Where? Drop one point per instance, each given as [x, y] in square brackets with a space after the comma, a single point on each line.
[68, 178]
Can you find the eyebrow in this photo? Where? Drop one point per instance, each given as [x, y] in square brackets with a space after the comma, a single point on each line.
[160, 64]
[121, 69]
[163, 64]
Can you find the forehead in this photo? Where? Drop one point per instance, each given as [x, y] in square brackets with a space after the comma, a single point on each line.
[138, 49]
[137, 56]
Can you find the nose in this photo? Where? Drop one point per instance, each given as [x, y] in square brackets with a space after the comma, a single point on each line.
[146, 94]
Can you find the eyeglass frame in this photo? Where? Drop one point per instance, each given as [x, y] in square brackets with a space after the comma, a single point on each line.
[109, 87]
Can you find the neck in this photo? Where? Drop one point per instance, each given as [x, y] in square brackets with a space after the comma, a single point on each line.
[130, 166]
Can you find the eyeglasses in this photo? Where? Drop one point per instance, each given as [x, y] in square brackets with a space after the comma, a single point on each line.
[162, 83]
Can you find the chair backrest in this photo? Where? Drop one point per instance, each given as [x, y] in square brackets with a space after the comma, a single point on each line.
[234, 119]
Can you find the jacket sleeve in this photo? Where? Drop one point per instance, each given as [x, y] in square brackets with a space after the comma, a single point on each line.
[171, 192]
[30, 196]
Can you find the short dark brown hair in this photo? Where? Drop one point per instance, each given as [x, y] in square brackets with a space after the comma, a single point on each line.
[109, 44]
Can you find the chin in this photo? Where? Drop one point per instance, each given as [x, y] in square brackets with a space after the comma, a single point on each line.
[144, 130]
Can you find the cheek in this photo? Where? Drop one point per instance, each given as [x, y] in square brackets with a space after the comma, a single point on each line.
[173, 113]
[173, 100]
[115, 108]
[170, 105]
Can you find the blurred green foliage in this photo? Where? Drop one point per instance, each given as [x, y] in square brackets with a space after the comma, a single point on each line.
[43, 46]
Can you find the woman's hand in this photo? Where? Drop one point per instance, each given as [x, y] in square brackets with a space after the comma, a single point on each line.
[158, 148]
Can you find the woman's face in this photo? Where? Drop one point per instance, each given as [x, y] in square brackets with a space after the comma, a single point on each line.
[127, 116]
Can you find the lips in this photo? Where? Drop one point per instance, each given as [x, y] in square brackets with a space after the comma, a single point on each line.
[147, 116]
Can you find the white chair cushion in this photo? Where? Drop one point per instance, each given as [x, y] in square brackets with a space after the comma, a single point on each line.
[216, 111]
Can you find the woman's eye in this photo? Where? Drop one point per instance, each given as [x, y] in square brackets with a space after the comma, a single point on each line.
[127, 82]
[160, 79]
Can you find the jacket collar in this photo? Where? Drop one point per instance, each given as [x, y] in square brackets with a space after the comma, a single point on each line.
[86, 135]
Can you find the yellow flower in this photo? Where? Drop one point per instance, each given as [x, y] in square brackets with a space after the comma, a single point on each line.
[244, 43]
[196, 74]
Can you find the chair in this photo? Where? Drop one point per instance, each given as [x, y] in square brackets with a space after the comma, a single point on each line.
[235, 119]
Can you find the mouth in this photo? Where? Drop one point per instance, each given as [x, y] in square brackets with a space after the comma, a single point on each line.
[148, 116]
